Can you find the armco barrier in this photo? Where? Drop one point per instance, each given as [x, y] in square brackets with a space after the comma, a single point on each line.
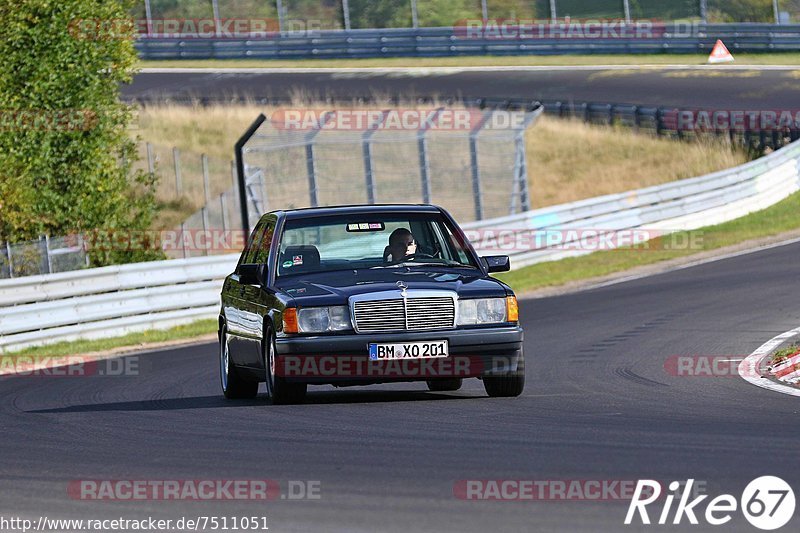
[111, 301]
[680, 205]
[453, 41]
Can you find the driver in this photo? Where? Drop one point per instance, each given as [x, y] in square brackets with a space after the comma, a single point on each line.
[401, 244]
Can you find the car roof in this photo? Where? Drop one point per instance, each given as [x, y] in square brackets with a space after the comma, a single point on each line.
[312, 212]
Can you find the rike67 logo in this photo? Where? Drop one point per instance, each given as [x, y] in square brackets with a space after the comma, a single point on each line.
[767, 503]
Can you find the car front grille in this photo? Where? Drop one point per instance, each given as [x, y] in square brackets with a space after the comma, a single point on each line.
[405, 314]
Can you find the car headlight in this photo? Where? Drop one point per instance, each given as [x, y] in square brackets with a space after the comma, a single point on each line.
[322, 319]
[482, 311]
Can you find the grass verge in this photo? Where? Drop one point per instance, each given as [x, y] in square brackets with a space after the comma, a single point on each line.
[783, 354]
[779, 218]
[131, 340]
[788, 58]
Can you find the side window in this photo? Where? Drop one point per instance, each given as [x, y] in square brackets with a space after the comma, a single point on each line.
[261, 254]
[252, 244]
[452, 249]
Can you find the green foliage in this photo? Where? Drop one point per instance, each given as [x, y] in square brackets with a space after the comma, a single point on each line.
[740, 11]
[65, 147]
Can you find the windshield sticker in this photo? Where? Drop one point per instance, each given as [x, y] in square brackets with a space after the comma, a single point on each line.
[287, 264]
[297, 260]
[366, 226]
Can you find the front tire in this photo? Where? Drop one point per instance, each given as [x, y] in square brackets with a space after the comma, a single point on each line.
[234, 387]
[281, 391]
[508, 385]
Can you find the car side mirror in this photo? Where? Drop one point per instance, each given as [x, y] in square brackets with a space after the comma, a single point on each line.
[253, 274]
[497, 263]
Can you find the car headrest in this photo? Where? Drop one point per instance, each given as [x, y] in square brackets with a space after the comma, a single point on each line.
[303, 258]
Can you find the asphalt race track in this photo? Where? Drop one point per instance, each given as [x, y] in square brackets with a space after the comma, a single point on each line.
[692, 88]
[598, 405]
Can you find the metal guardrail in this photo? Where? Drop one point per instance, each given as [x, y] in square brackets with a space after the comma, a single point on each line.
[681, 205]
[454, 41]
[115, 300]
[110, 301]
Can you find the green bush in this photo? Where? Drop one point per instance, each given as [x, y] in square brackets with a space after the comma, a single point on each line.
[65, 149]
[740, 11]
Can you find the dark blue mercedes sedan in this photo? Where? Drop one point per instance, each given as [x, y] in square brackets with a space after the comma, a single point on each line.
[357, 295]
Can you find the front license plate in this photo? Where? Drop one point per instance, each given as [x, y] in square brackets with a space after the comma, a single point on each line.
[407, 350]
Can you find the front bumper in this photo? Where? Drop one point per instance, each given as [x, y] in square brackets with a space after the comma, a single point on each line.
[344, 359]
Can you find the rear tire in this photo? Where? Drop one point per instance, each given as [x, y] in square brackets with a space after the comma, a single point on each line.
[234, 387]
[444, 385]
[281, 391]
[508, 385]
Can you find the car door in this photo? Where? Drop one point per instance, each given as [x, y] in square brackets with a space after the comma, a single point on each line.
[256, 302]
[238, 313]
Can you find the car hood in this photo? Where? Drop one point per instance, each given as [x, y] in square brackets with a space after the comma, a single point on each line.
[332, 288]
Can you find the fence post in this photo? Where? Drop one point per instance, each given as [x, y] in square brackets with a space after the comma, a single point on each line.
[47, 251]
[521, 161]
[626, 7]
[424, 162]
[346, 14]
[44, 255]
[176, 158]
[183, 239]
[224, 210]
[148, 15]
[704, 11]
[206, 184]
[239, 151]
[151, 164]
[10, 260]
[777, 11]
[85, 252]
[366, 150]
[311, 161]
[311, 170]
[473, 160]
[484, 10]
[204, 213]
[217, 22]
[553, 13]
[414, 15]
[279, 7]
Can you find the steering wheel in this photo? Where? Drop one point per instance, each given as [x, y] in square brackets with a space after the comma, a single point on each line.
[412, 257]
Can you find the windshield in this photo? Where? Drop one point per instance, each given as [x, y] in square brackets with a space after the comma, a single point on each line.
[376, 241]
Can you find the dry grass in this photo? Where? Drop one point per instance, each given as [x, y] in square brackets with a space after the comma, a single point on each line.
[567, 160]
[570, 160]
[212, 130]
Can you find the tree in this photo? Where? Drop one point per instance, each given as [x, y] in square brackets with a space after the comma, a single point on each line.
[66, 152]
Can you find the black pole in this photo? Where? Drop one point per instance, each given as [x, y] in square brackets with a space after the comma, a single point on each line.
[239, 149]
